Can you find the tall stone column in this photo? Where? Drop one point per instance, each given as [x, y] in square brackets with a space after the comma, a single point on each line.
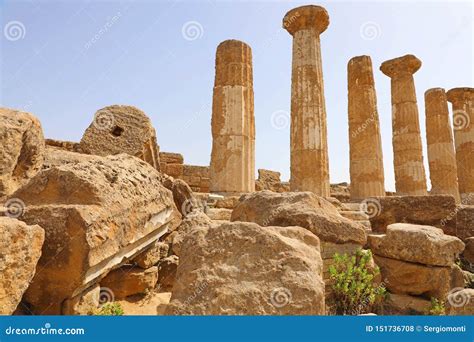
[439, 137]
[232, 166]
[309, 151]
[462, 100]
[410, 177]
[366, 159]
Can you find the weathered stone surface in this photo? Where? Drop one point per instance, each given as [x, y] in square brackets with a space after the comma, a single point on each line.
[171, 158]
[228, 202]
[255, 270]
[403, 277]
[415, 243]
[461, 302]
[468, 254]
[96, 214]
[366, 159]
[399, 304]
[54, 156]
[167, 273]
[410, 178]
[439, 137]
[183, 196]
[152, 255]
[22, 149]
[270, 180]
[194, 220]
[303, 209]
[462, 100]
[219, 214]
[465, 221]
[128, 281]
[69, 146]
[436, 210]
[309, 150]
[197, 177]
[83, 304]
[172, 164]
[341, 192]
[20, 250]
[122, 129]
[232, 166]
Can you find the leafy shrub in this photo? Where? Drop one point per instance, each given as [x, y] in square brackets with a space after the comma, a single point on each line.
[109, 309]
[353, 283]
[436, 308]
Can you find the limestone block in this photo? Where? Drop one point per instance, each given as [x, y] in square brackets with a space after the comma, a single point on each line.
[303, 209]
[256, 271]
[436, 210]
[96, 213]
[84, 303]
[22, 149]
[129, 280]
[403, 277]
[415, 243]
[20, 250]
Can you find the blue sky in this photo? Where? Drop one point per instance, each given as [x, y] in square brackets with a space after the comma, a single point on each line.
[63, 60]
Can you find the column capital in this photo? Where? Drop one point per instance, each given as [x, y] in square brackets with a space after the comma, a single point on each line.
[306, 17]
[460, 94]
[407, 64]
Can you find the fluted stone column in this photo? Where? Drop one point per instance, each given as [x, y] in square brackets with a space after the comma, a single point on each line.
[309, 151]
[462, 100]
[410, 177]
[232, 166]
[366, 159]
[439, 137]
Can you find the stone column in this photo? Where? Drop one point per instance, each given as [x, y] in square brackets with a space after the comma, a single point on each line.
[462, 100]
[410, 178]
[309, 151]
[366, 160]
[232, 166]
[439, 137]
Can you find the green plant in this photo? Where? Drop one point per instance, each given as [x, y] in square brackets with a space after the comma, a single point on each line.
[353, 283]
[109, 309]
[436, 307]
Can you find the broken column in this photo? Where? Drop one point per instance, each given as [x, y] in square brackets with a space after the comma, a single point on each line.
[232, 166]
[439, 137]
[309, 150]
[462, 100]
[410, 178]
[366, 159]
[122, 129]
